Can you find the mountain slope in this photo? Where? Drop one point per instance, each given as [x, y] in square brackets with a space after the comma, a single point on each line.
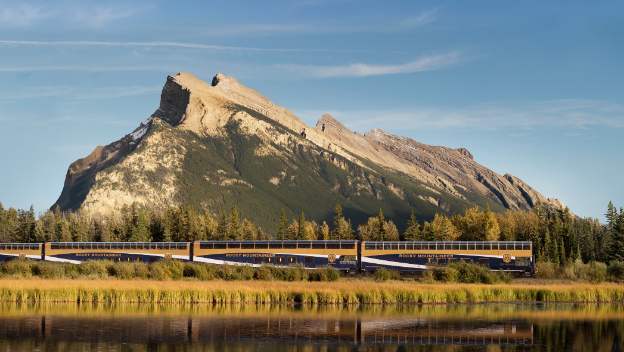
[222, 144]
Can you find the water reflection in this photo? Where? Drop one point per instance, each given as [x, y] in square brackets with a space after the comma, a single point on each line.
[231, 328]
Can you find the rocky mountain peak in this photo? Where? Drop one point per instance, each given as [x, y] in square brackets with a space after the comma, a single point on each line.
[159, 161]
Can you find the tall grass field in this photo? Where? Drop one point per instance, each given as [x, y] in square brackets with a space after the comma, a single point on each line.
[344, 292]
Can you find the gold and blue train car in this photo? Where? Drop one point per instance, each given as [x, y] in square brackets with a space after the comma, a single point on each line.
[78, 252]
[341, 255]
[405, 256]
[9, 251]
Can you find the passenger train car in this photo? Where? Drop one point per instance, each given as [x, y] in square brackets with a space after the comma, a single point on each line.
[342, 255]
[10, 251]
[77, 252]
[510, 256]
[349, 256]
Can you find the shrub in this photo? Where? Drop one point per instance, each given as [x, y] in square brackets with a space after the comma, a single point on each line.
[17, 268]
[122, 270]
[546, 270]
[263, 273]
[383, 274]
[594, 272]
[198, 271]
[94, 268]
[474, 273]
[332, 274]
[448, 274]
[48, 270]
[615, 270]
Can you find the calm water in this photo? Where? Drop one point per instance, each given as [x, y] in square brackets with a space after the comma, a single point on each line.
[500, 327]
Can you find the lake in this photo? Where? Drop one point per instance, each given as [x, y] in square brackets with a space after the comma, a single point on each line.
[481, 327]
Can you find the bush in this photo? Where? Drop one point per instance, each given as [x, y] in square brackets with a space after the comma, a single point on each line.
[122, 270]
[263, 273]
[448, 274]
[48, 270]
[198, 271]
[615, 270]
[383, 274]
[94, 269]
[327, 274]
[17, 268]
[474, 273]
[546, 270]
[594, 272]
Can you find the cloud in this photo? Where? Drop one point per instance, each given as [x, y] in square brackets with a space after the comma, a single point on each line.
[565, 113]
[394, 26]
[21, 15]
[421, 64]
[13, 14]
[84, 68]
[101, 16]
[155, 44]
[75, 93]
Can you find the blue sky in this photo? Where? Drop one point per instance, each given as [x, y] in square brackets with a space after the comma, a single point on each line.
[532, 88]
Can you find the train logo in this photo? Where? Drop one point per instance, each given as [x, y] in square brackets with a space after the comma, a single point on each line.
[331, 258]
[506, 258]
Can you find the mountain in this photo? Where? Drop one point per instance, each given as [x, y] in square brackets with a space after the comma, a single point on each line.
[223, 144]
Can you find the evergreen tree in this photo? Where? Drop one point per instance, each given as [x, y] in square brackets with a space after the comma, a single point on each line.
[615, 252]
[381, 223]
[282, 228]
[412, 231]
[139, 229]
[324, 232]
[443, 229]
[563, 259]
[342, 227]
[301, 225]
[233, 228]
[547, 247]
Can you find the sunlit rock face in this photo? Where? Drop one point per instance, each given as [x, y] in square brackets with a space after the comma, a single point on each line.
[220, 144]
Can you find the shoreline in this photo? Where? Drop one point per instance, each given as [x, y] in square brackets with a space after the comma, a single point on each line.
[344, 292]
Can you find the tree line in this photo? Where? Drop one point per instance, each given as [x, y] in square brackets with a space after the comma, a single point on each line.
[558, 236]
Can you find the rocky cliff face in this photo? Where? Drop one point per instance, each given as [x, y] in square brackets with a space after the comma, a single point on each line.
[222, 144]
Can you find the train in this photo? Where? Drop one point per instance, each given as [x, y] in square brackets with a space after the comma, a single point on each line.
[345, 255]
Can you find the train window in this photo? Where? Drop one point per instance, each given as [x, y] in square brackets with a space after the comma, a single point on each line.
[247, 245]
[290, 244]
[220, 245]
[205, 245]
[262, 245]
[333, 245]
[321, 245]
[276, 245]
[304, 244]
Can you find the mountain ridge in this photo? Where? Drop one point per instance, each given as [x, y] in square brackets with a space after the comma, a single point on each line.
[205, 137]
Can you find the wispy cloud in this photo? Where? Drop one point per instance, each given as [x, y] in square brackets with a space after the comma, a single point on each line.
[421, 64]
[101, 16]
[14, 14]
[146, 44]
[21, 15]
[246, 29]
[84, 68]
[74, 93]
[566, 113]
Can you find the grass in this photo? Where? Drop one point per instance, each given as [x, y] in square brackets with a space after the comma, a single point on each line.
[345, 292]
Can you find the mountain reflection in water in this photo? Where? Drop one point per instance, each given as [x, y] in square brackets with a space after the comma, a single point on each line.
[448, 328]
